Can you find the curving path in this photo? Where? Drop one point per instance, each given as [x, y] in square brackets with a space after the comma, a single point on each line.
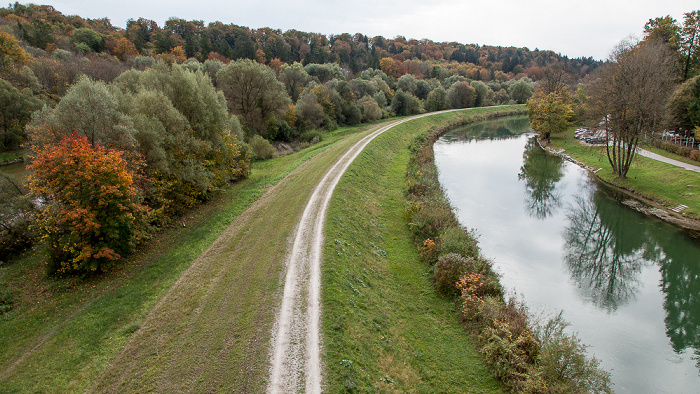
[667, 160]
[296, 344]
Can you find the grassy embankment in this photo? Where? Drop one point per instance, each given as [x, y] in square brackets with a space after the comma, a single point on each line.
[649, 179]
[63, 333]
[385, 328]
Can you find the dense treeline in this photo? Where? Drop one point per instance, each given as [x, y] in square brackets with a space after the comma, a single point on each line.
[186, 107]
[45, 52]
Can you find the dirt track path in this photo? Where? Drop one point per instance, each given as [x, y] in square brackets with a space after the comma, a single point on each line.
[296, 344]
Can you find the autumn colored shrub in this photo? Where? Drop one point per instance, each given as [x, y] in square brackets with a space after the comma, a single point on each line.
[429, 251]
[91, 212]
[450, 268]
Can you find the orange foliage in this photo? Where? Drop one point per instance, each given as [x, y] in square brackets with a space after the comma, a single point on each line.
[392, 67]
[90, 214]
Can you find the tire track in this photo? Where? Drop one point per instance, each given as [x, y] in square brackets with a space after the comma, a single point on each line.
[296, 342]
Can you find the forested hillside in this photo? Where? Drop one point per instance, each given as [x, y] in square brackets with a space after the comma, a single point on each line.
[44, 53]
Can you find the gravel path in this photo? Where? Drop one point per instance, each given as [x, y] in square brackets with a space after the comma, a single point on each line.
[296, 344]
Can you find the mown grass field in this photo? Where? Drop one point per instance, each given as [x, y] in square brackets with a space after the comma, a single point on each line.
[385, 328]
[659, 182]
[63, 333]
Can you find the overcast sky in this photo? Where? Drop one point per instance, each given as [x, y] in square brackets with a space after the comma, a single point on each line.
[574, 28]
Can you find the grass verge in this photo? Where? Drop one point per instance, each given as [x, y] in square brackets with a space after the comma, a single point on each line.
[649, 179]
[385, 328]
[61, 334]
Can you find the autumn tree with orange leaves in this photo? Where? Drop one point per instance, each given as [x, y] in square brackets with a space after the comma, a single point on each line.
[90, 212]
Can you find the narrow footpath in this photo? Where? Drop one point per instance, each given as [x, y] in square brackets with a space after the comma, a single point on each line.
[295, 361]
[667, 160]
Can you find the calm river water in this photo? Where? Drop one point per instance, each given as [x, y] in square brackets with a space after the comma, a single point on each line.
[628, 284]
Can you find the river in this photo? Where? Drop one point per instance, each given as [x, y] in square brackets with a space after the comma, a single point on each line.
[628, 284]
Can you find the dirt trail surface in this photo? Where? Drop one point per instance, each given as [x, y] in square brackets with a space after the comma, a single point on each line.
[296, 363]
[211, 331]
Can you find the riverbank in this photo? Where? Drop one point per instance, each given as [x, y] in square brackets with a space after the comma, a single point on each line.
[385, 328]
[651, 187]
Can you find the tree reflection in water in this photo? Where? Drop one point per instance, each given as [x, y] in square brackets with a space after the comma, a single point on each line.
[680, 272]
[607, 247]
[604, 251]
[541, 173]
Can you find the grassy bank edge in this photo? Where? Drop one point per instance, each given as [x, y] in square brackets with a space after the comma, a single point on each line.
[652, 182]
[385, 328]
[525, 354]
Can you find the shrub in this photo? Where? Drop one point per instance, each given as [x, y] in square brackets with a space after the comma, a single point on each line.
[261, 148]
[431, 219]
[91, 213]
[458, 240]
[685, 151]
[449, 269]
[7, 299]
[563, 363]
[695, 155]
[312, 136]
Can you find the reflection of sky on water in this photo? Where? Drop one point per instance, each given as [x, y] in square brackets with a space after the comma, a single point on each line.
[629, 335]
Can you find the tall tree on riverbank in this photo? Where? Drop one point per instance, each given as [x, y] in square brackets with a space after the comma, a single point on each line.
[550, 112]
[628, 98]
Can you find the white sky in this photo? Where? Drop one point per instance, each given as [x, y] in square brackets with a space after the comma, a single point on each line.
[574, 28]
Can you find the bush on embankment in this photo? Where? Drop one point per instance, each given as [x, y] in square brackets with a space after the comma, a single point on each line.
[525, 356]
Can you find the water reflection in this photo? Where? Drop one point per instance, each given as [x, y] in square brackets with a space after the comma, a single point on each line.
[603, 252]
[680, 283]
[497, 129]
[541, 173]
[629, 284]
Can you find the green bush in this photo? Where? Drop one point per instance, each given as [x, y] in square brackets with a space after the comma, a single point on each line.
[458, 240]
[312, 136]
[431, 220]
[563, 364]
[7, 299]
[261, 148]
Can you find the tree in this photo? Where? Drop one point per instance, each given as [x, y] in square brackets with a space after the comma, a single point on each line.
[663, 29]
[252, 90]
[628, 98]
[690, 44]
[11, 53]
[90, 109]
[403, 104]
[521, 90]
[549, 112]
[461, 95]
[89, 39]
[684, 107]
[436, 100]
[15, 111]
[91, 213]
